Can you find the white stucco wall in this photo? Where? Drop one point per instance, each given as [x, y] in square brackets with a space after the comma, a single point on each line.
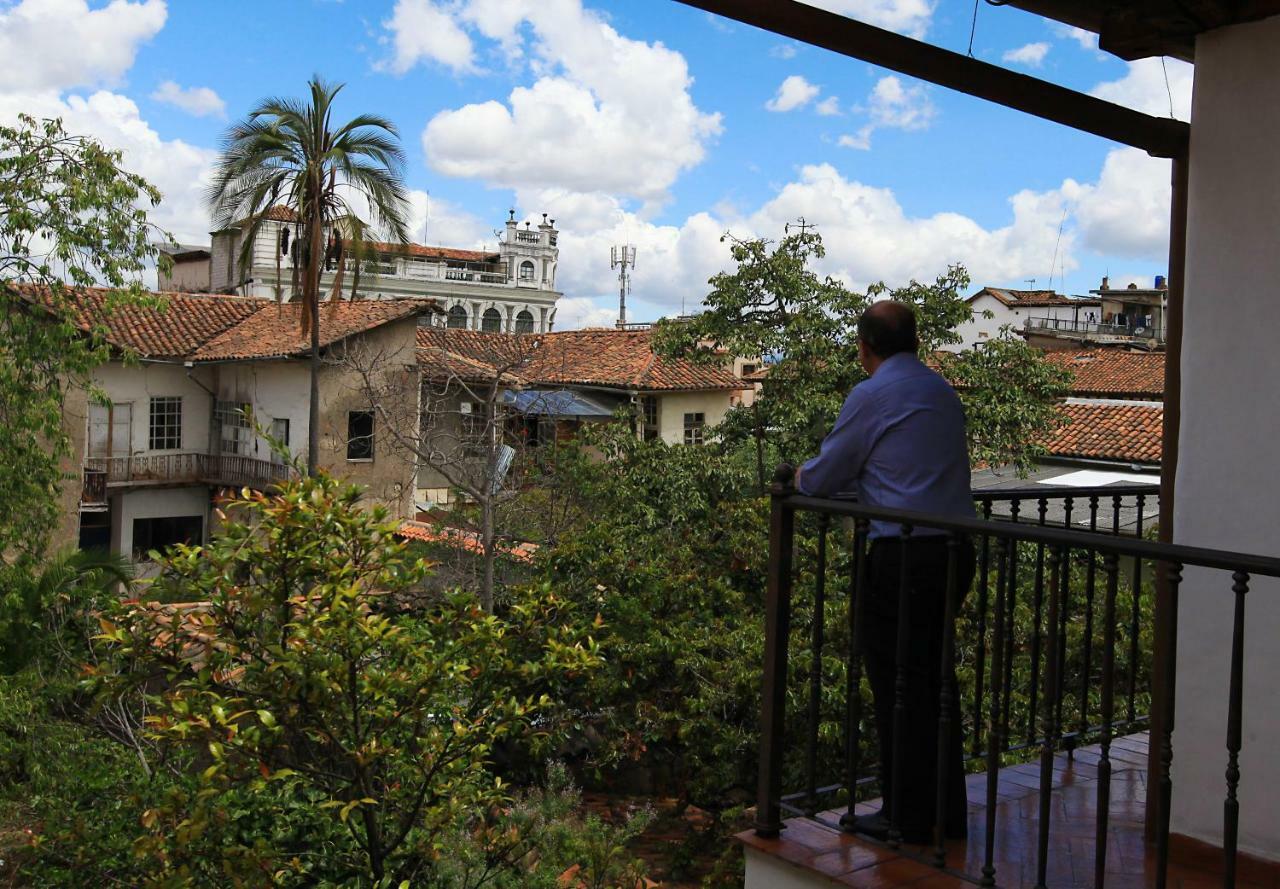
[767, 872]
[275, 390]
[137, 385]
[980, 329]
[1230, 423]
[150, 503]
[673, 406]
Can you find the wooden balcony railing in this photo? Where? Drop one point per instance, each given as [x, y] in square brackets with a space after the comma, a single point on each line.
[214, 469]
[1047, 652]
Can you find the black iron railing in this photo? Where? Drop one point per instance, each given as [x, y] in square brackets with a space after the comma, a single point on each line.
[1053, 557]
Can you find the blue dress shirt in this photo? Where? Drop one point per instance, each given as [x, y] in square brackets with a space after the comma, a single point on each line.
[899, 443]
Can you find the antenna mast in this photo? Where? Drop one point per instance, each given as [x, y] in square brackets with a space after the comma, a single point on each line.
[623, 258]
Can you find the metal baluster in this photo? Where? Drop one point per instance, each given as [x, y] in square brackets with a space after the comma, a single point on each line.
[1011, 606]
[1169, 696]
[853, 690]
[947, 699]
[1134, 618]
[1111, 567]
[1058, 567]
[1235, 715]
[1116, 500]
[1089, 589]
[898, 771]
[777, 628]
[815, 666]
[1059, 688]
[1037, 604]
[994, 746]
[984, 565]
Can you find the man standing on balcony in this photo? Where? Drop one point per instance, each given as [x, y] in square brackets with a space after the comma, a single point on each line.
[900, 443]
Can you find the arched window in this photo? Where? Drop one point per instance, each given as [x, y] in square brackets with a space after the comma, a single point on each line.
[524, 321]
[526, 270]
[458, 318]
[491, 321]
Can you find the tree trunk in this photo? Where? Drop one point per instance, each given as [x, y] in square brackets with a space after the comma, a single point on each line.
[490, 553]
[311, 305]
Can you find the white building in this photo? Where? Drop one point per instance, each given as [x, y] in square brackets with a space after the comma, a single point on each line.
[995, 307]
[511, 289]
[216, 376]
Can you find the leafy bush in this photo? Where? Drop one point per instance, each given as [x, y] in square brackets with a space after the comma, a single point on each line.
[337, 740]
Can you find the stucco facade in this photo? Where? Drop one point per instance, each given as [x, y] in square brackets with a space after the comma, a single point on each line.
[1229, 425]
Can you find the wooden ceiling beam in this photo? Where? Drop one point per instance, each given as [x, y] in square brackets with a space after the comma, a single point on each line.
[1159, 136]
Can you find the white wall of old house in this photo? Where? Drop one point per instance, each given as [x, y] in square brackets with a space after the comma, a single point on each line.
[137, 385]
[1226, 493]
[672, 407]
[150, 503]
[273, 390]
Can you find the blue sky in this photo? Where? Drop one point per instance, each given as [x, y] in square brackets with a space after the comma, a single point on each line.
[641, 121]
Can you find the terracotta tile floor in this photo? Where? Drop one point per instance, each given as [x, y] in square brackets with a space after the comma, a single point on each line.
[1130, 864]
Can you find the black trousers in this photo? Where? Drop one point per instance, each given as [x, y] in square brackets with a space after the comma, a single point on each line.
[926, 560]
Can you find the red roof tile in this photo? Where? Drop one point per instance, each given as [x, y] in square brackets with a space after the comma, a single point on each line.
[1017, 298]
[220, 328]
[1113, 372]
[1109, 431]
[275, 331]
[621, 359]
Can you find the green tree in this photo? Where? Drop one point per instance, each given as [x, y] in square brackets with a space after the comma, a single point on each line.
[291, 153]
[70, 217]
[773, 305]
[342, 741]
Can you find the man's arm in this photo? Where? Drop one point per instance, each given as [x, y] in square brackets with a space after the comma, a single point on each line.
[844, 451]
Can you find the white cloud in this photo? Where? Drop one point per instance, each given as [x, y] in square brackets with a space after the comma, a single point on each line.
[910, 17]
[1126, 212]
[605, 113]
[180, 170]
[438, 221]
[784, 51]
[868, 235]
[200, 101]
[423, 30]
[892, 105]
[794, 92]
[60, 44]
[1086, 39]
[575, 312]
[828, 107]
[1032, 54]
[1144, 88]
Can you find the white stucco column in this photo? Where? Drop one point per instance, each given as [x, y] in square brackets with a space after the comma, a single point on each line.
[1228, 496]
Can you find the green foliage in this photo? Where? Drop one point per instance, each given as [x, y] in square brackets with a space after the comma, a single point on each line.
[670, 558]
[70, 797]
[69, 217]
[44, 613]
[775, 307]
[540, 841]
[339, 741]
[1010, 395]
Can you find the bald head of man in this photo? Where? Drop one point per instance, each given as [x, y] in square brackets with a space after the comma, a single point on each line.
[885, 329]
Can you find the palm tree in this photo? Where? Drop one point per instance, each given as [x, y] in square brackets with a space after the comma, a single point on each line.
[289, 153]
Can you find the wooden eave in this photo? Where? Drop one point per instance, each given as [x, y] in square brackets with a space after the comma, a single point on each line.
[1158, 136]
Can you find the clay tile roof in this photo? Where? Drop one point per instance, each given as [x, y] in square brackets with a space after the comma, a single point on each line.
[467, 541]
[1109, 431]
[473, 356]
[1018, 298]
[625, 359]
[435, 252]
[621, 359]
[173, 330]
[221, 328]
[1113, 372]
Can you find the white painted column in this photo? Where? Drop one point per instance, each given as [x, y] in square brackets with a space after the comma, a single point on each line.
[1228, 495]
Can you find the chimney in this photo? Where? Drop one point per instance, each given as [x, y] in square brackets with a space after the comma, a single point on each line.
[1106, 283]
